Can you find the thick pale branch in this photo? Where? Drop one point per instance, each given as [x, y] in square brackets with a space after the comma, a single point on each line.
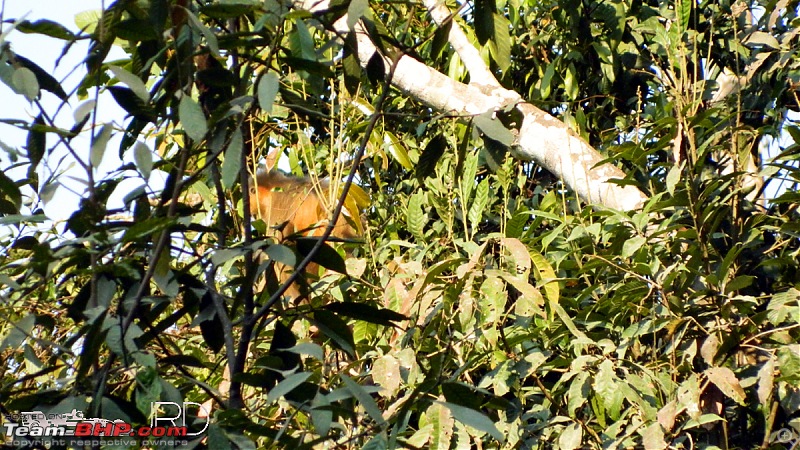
[541, 138]
[479, 73]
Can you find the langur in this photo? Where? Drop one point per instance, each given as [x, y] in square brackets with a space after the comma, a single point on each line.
[296, 206]
[292, 205]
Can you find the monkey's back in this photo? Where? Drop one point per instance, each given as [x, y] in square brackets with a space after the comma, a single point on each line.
[293, 204]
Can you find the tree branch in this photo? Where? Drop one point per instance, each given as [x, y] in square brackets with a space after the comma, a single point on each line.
[479, 73]
[541, 137]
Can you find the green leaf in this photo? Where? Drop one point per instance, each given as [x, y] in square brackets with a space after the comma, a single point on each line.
[784, 306]
[99, 144]
[43, 77]
[301, 42]
[762, 38]
[355, 11]
[416, 218]
[7, 74]
[336, 329]
[571, 437]
[547, 81]
[474, 419]
[308, 348]
[500, 44]
[281, 254]
[484, 14]
[367, 313]
[546, 274]
[192, 118]
[674, 176]
[10, 196]
[132, 81]
[632, 245]
[475, 214]
[131, 103]
[739, 283]
[321, 414]
[143, 158]
[468, 177]
[83, 110]
[789, 363]
[396, 149]
[287, 385]
[164, 276]
[25, 80]
[228, 9]
[571, 82]
[493, 128]
[47, 28]
[352, 69]
[268, 88]
[430, 156]
[88, 20]
[522, 285]
[578, 392]
[233, 160]
[684, 8]
[326, 256]
[378, 442]
[440, 417]
[364, 398]
[211, 38]
[376, 69]
[19, 332]
[218, 439]
[605, 381]
[515, 227]
[440, 39]
[727, 261]
[135, 30]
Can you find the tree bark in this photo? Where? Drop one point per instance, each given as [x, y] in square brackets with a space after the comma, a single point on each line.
[540, 137]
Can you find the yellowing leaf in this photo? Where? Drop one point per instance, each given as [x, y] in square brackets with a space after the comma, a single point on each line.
[726, 381]
[386, 373]
[545, 274]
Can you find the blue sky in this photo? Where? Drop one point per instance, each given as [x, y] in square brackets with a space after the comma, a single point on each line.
[45, 51]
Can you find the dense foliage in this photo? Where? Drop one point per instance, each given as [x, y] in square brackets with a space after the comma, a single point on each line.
[485, 306]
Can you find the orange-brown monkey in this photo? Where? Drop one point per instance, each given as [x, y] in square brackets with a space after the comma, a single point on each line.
[289, 206]
[293, 206]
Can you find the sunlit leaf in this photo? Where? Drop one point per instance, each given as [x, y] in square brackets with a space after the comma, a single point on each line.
[99, 144]
[267, 91]
[355, 11]
[25, 80]
[192, 118]
[132, 81]
[727, 382]
[474, 419]
[143, 158]
[287, 385]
